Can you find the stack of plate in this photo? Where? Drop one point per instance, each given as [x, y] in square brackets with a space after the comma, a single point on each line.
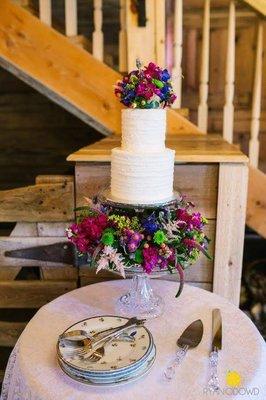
[123, 361]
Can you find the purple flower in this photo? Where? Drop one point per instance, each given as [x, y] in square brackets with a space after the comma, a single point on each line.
[162, 262]
[196, 220]
[150, 224]
[129, 96]
[191, 221]
[131, 240]
[132, 246]
[165, 76]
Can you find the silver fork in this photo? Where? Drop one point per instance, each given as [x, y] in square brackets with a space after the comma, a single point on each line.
[89, 349]
[78, 343]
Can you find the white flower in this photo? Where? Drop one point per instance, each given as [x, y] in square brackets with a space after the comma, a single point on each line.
[109, 256]
[171, 228]
[69, 233]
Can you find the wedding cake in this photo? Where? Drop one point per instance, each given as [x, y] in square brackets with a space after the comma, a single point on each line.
[142, 169]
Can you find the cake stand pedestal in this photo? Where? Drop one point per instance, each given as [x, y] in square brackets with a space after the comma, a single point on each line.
[141, 300]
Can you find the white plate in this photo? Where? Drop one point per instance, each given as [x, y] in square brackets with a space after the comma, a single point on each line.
[118, 355]
[121, 380]
[110, 378]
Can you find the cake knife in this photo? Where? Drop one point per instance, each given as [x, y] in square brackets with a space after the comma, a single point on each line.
[213, 384]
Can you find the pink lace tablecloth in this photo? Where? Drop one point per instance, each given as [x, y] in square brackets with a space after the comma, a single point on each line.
[33, 373]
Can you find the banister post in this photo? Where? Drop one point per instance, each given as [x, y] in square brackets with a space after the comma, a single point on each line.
[122, 38]
[204, 70]
[254, 144]
[178, 44]
[45, 11]
[228, 117]
[97, 36]
[71, 18]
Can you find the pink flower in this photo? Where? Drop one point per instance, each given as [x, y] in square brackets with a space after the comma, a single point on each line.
[82, 244]
[145, 90]
[191, 220]
[102, 220]
[151, 258]
[171, 257]
[189, 243]
[87, 233]
[153, 70]
[74, 228]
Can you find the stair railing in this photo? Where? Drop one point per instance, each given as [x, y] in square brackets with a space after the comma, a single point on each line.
[160, 53]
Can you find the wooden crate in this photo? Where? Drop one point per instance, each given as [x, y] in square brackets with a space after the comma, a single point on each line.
[36, 264]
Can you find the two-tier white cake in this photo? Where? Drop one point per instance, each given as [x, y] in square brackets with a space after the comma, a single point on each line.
[142, 169]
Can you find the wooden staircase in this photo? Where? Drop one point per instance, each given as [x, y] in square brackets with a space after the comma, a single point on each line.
[258, 5]
[68, 75]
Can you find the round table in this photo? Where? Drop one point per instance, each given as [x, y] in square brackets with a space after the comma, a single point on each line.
[33, 372]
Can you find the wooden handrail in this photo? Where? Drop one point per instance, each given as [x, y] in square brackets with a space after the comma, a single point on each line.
[258, 5]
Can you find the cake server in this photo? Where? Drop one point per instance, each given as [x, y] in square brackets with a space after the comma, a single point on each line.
[213, 383]
[189, 339]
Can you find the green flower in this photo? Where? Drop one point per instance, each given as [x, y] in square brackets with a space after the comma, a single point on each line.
[138, 256]
[123, 222]
[204, 220]
[108, 238]
[159, 237]
[194, 255]
[158, 83]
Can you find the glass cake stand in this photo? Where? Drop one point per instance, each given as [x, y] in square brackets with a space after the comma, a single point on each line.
[140, 300]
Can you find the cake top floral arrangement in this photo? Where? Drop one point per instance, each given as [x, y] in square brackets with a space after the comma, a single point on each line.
[168, 238]
[148, 87]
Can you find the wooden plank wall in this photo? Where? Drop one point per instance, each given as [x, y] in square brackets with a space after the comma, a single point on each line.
[36, 135]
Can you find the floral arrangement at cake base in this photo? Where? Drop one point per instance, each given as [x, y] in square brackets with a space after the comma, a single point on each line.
[166, 238]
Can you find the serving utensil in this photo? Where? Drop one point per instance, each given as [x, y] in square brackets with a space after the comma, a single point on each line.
[98, 354]
[70, 338]
[89, 346]
[213, 383]
[189, 339]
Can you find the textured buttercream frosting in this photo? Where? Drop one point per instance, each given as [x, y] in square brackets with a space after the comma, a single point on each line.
[142, 178]
[143, 130]
[142, 170]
